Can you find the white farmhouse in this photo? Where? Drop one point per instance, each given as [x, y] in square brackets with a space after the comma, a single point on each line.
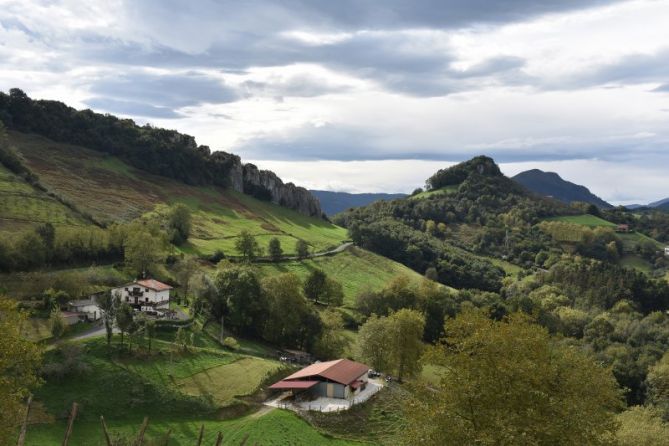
[145, 295]
[666, 251]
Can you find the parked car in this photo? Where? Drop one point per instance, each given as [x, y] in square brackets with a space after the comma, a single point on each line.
[373, 373]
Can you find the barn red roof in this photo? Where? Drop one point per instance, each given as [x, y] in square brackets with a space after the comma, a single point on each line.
[293, 384]
[342, 371]
[154, 284]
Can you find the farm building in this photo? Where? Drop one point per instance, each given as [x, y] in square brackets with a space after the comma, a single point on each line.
[87, 309]
[666, 251]
[340, 378]
[623, 228]
[145, 295]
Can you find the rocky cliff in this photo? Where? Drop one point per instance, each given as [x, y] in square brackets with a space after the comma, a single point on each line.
[266, 185]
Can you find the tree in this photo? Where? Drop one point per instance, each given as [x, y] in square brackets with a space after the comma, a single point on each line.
[657, 383]
[332, 342]
[57, 323]
[315, 285]
[333, 293]
[642, 426]
[150, 331]
[247, 246]
[47, 233]
[288, 312]
[183, 339]
[508, 382]
[275, 251]
[179, 222]
[301, 249]
[406, 330]
[19, 365]
[185, 270]
[125, 319]
[108, 306]
[373, 346]
[143, 250]
[239, 300]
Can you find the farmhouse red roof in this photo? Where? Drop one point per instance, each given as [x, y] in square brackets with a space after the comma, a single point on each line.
[342, 371]
[154, 284]
[293, 384]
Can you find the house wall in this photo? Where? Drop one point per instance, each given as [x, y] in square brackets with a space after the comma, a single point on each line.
[321, 389]
[147, 295]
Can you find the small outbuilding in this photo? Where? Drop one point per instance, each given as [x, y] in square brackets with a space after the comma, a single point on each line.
[340, 378]
[666, 251]
[87, 309]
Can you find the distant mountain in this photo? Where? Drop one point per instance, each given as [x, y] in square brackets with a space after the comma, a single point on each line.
[550, 184]
[660, 203]
[335, 202]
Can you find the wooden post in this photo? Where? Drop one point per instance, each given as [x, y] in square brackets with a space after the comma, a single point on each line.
[199, 438]
[140, 436]
[106, 432]
[219, 439]
[70, 423]
[167, 437]
[24, 426]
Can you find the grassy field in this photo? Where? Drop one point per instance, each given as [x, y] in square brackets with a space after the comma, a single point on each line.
[585, 219]
[636, 262]
[178, 391]
[23, 206]
[109, 190]
[433, 193]
[277, 427]
[356, 269]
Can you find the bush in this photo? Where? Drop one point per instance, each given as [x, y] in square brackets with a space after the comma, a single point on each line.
[231, 343]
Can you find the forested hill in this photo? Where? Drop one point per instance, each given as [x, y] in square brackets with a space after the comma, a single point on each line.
[335, 202]
[468, 208]
[159, 151]
[550, 184]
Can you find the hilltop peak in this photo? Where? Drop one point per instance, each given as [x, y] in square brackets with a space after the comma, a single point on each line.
[551, 184]
[479, 165]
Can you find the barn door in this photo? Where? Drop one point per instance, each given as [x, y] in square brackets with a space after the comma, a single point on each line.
[330, 390]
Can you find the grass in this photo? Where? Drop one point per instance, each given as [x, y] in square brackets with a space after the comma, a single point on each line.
[177, 391]
[585, 219]
[225, 382]
[509, 268]
[447, 190]
[277, 427]
[83, 177]
[637, 263]
[356, 269]
[24, 206]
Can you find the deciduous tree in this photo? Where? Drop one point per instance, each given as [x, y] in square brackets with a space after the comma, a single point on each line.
[19, 363]
[508, 382]
[275, 251]
[247, 245]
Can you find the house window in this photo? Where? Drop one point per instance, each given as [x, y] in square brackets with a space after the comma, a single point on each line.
[127, 299]
[127, 289]
[146, 289]
[146, 299]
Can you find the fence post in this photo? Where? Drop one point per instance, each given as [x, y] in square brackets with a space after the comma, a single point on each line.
[140, 436]
[24, 426]
[104, 429]
[70, 424]
[199, 438]
[219, 439]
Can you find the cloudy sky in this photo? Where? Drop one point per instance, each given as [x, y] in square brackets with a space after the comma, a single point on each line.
[361, 95]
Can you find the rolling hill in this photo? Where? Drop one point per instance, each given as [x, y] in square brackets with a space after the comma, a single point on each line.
[335, 202]
[550, 184]
[97, 187]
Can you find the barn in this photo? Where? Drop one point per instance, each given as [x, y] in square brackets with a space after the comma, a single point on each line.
[340, 378]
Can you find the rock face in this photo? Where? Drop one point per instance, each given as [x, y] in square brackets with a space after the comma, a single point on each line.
[264, 184]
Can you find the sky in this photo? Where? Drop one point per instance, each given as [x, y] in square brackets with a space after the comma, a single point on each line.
[370, 96]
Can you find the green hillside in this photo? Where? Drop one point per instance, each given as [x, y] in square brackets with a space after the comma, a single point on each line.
[109, 190]
[356, 269]
[585, 219]
[24, 206]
